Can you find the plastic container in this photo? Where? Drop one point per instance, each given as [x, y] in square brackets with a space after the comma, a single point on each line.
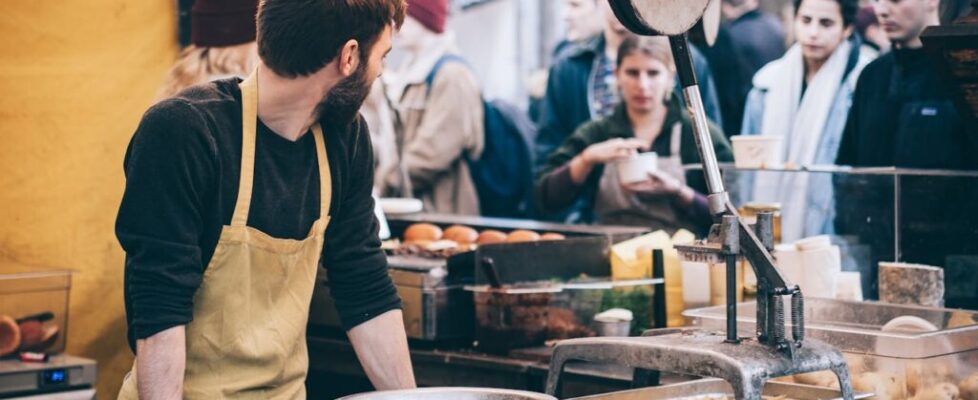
[638, 167]
[896, 351]
[37, 299]
[527, 315]
[757, 151]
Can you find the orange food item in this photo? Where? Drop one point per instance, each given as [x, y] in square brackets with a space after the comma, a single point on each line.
[491, 236]
[521, 235]
[422, 232]
[552, 236]
[9, 335]
[31, 333]
[461, 234]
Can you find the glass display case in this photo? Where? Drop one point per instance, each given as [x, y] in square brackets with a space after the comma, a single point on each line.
[36, 300]
[895, 351]
[875, 214]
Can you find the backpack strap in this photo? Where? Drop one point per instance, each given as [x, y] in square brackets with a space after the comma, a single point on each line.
[446, 58]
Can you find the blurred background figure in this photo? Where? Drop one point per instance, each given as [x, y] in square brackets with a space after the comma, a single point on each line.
[648, 118]
[804, 97]
[439, 113]
[870, 30]
[582, 86]
[222, 36]
[581, 26]
[902, 111]
[758, 37]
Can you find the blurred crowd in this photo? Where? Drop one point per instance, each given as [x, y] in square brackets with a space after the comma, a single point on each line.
[842, 82]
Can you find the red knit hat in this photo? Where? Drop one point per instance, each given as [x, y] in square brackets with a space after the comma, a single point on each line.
[431, 13]
[220, 23]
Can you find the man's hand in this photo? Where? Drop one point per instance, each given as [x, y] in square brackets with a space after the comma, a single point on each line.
[160, 363]
[381, 346]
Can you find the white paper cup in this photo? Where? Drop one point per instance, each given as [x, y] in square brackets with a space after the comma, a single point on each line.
[637, 168]
[757, 151]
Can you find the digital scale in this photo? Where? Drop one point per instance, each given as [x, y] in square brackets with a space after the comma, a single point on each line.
[62, 377]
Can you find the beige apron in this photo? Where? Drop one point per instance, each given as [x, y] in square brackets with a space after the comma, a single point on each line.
[614, 205]
[248, 336]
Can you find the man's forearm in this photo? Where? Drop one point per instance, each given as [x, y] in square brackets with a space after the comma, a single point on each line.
[381, 346]
[160, 364]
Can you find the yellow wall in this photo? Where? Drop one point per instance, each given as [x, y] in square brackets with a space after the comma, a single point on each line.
[75, 76]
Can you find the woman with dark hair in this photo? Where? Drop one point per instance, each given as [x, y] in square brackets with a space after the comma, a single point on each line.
[649, 118]
[804, 97]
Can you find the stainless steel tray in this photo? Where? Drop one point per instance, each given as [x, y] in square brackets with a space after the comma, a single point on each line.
[718, 389]
[857, 327]
[451, 393]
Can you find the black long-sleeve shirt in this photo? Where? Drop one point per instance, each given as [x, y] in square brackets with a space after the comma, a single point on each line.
[182, 171]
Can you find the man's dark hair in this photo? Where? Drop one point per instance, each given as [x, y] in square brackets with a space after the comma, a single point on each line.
[849, 9]
[299, 37]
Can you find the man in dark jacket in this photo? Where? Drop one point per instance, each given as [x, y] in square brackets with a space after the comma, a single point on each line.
[902, 115]
[758, 37]
[581, 88]
[902, 112]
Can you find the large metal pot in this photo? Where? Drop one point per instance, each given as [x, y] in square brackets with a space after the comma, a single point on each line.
[451, 393]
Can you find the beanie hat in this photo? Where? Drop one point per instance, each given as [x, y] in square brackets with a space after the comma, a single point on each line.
[431, 13]
[221, 23]
[865, 18]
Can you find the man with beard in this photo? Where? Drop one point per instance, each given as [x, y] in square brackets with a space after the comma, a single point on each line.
[236, 191]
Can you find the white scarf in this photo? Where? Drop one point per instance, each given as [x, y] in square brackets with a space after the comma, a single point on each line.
[800, 123]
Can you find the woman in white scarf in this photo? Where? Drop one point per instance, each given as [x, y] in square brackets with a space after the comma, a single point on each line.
[804, 97]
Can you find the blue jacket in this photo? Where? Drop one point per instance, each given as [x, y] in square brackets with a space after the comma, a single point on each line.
[567, 104]
[821, 207]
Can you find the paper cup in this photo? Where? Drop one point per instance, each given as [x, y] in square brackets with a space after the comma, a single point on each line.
[637, 168]
[757, 151]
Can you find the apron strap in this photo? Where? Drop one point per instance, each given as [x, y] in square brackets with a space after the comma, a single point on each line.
[249, 127]
[676, 140]
[325, 177]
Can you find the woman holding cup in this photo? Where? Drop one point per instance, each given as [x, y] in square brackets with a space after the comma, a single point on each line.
[627, 168]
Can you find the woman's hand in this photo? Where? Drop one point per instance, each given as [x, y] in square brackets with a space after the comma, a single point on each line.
[661, 184]
[611, 150]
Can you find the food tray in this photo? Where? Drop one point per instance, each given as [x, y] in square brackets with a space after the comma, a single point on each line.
[717, 389]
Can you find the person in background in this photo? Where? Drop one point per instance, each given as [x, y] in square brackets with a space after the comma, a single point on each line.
[902, 115]
[758, 37]
[732, 76]
[238, 192]
[580, 22]
[441, 124]
[222, 36]
[581, 87]
[870, 30]
[804, 97]
[902, 112]
[649, 118]
[581, 26]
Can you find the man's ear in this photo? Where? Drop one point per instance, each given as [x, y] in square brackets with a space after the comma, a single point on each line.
[349, 57]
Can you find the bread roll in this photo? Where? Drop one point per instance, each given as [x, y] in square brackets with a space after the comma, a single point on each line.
[460, 234]
[552, 236]
[521, 235]
[422, 232]
[819, 378]
[490, 236]
[884, 386]
[940, 391]
[968, 388]
[9, 335]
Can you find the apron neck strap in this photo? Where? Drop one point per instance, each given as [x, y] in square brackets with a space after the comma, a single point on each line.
[675, 142]
[325, 176]
[249, 129]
